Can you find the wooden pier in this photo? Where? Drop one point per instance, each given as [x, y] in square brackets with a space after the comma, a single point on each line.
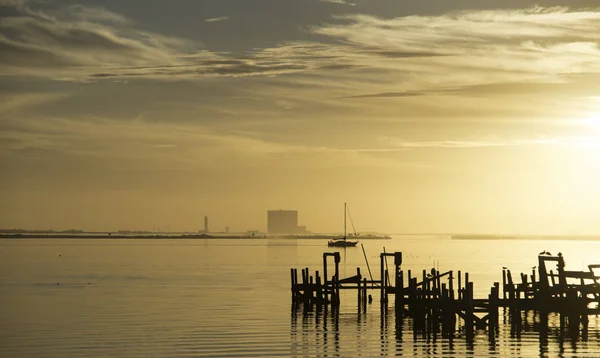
[436, 300]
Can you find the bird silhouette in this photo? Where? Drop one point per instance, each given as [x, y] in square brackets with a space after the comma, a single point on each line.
[542, 253]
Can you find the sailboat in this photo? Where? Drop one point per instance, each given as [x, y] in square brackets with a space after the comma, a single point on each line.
[342, 241]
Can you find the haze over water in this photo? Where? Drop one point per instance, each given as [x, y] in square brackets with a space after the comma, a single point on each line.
[425, 116]
[231, 298]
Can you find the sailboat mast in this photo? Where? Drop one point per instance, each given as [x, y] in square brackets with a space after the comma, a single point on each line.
[344, 220]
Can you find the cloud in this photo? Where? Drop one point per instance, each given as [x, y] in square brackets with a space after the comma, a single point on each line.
[80, 42]
[163, 145]
[12, 102]
[478, 144]
[92, 14]
[468, 52]
[534, 41]
[388, 95]
[571, 141]
[77, 40]
[217, 19]
[342, 2]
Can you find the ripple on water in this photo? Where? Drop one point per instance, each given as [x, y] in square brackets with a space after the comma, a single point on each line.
[202, 299]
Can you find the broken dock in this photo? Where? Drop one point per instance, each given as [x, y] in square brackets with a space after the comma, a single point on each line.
[436, 300]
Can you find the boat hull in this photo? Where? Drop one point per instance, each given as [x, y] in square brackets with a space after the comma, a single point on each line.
[342, 243]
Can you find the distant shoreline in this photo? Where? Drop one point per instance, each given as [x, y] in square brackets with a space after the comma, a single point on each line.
[483, 237]
[524, 237]
[182, 236]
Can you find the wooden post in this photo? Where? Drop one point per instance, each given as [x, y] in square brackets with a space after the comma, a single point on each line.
[516, 316]
[438, 284]
[319, 297]
[325, 277]
[294, 278]
[334, 293]
[433, 280]
[574, 312]
[387, 285]
[424, 283]
[562, 280]
[459, 285]
[543, 284]
[382, 276]
[451, 285]
[411, 296]
[304, 284]
[399, 294]
[525, 286]
[359, 298]
[337, 259]
[364, 296]
[311, 287]
[504, 283]
[493, 306]
[469, 308]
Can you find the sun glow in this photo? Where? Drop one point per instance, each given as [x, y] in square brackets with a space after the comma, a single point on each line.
[590, 131]
[593, 123]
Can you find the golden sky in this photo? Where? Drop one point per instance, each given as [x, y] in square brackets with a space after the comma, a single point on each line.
[425, 116]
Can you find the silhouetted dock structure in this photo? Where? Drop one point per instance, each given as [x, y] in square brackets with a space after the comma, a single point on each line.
[436, 300]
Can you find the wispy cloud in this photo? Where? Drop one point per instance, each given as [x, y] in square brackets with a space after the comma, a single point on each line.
[11, 102]
[80, 41]
[410, 56]
[534, 41]
[558, 140]
[481, 144]
[342, 2]
[77, 40]
[217, 19]
[388, 95]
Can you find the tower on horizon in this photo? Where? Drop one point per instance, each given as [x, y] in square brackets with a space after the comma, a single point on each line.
[206, 224]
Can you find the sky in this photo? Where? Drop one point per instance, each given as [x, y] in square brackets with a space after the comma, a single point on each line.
[424, 116]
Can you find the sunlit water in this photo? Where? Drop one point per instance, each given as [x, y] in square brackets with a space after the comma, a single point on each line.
[231, 298]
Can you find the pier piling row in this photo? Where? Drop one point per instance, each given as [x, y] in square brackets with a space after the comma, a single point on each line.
[437, 298]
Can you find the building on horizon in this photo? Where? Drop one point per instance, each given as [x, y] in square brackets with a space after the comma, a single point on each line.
[284, 222]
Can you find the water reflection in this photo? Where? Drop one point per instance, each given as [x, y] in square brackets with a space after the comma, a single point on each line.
[384, 331]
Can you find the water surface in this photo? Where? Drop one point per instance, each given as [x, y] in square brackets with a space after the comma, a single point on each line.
[231, 298]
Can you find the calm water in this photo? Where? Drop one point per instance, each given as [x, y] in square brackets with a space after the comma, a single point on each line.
[231, 298]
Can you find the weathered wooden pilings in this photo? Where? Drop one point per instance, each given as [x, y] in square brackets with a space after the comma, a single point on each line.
[434, 306]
